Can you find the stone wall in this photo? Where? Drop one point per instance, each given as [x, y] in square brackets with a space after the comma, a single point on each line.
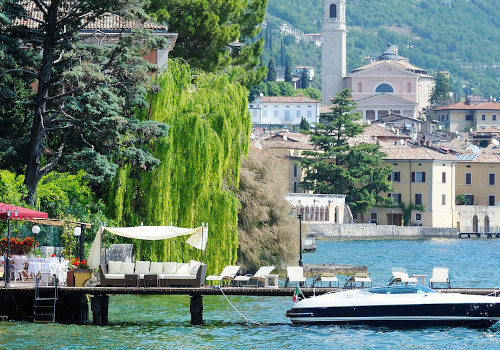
[328, 230]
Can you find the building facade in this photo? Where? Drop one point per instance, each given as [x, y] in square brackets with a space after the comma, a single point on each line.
[284, 110]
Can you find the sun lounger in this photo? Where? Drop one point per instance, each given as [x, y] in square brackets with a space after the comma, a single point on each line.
[327, 278]
[399, 275]
[362, 278]
[295, 274]
[440, 275]
[226, 276]
[258, 277]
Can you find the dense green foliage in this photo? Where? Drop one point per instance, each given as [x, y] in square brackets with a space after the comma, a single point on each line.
[281, 88]
[199, 170]
[459, 36]
[335, 166]
[86, 95]
[208, 31]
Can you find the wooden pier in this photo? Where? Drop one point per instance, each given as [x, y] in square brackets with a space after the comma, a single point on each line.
[16, 302]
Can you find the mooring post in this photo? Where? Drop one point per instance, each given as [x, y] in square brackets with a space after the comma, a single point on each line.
[99, 306]
[196, 309]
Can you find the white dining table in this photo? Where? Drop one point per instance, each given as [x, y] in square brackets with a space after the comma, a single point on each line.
[56, 266]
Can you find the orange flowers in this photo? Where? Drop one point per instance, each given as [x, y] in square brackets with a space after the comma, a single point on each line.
[79, 264]
[18, 246]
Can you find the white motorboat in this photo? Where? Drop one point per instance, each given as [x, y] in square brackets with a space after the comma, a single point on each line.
[397, 306]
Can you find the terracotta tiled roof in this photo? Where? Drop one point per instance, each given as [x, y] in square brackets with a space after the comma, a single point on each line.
[464, 106]
[288, 99]
[398, 152]
[108, 21]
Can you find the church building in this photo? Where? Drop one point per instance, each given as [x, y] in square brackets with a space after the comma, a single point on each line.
[389, 84]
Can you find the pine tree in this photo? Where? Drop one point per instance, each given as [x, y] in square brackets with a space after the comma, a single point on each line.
[304, 124]
[304, 80]
[336, 167]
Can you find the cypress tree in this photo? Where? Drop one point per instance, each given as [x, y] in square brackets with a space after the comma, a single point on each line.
[288, 72]
[271, 71]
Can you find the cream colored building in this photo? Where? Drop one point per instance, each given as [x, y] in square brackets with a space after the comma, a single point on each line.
[420, 176]
[476, 113]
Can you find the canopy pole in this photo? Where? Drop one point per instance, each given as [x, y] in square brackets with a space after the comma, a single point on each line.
[201, 250]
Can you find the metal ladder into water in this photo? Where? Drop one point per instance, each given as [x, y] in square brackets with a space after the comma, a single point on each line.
[44, 308]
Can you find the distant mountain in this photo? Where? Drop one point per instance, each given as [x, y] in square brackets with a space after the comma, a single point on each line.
[459, 36]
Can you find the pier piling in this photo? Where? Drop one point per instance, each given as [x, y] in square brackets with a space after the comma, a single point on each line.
[196, 309]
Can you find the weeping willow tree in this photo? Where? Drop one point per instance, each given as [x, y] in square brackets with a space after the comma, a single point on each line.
[199, 170]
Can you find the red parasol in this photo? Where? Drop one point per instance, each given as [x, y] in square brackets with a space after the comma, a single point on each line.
[20, 213]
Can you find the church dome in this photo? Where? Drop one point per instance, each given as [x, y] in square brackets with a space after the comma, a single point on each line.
[389, 55]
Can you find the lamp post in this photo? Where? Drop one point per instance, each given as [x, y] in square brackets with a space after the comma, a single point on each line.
[77, 232]
[392, 217]
[301, 262]
[8, 209]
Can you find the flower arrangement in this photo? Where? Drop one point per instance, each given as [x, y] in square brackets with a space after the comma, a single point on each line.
[18, 246]
[79, 264]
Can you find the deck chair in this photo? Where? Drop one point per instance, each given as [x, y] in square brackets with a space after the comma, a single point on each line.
[326, 277]
[399, 275]
[440, 275]
[226, 276]
[258, 276]
[295, 274]
[360, 277]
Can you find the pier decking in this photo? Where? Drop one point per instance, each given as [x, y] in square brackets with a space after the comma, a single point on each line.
[72, 306]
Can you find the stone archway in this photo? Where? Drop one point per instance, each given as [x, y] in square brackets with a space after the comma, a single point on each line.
[487, 224]
[475, 224]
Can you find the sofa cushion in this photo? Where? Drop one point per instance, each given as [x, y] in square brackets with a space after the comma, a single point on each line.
[176, 277]
[114, 276]
[156, 268]
[114, 266]
[142, 267]
[183, 268]
[169, 267]
[127, 268]
[193, 267]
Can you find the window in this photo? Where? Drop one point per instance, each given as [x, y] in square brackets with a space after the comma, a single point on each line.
[276, 114]
[468, 117]
[360, 87]
[443, 177]
[309, 114]
[418, 217]
[396, 197]
[333, 11]
[373, 218]
[491, 199]
[295, 170]
[443, 199]
[264, 114]
[418, 176]
[492, 180]
[408, 87]
[395, 176]
[494, 117]
[418, 198]
[287, 116]
[295, 187]
[483, 117]
[468, 178]
[469, 199]
[299, 115]
[384, 88]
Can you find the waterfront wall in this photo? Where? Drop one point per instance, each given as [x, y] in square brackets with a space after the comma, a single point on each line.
[329, 230]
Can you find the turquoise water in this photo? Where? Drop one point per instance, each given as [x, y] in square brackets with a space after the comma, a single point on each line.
[162, 322]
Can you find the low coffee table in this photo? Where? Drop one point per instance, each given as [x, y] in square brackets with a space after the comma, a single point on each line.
[151, 281]
[132, 280]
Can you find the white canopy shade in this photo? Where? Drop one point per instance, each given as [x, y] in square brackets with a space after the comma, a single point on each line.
[198, 237]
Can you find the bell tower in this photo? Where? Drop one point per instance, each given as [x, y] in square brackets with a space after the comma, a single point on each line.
[333, 49]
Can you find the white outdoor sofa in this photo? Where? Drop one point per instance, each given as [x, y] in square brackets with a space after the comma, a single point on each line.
[169, 274]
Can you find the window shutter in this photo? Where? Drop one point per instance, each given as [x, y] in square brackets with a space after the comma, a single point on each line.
[412, 176]
[423, 176]
[398, 176]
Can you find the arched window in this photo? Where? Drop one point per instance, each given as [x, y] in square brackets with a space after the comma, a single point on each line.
[475, 224]
[333, 11]
[336, 215]
[384, 88]
[487, 224]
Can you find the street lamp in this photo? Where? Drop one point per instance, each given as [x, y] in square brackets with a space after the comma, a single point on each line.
[299, 215]
[8, 209]
[392, 217]
[79, 232]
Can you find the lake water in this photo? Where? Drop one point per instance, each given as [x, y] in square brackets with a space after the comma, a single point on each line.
[163, 322]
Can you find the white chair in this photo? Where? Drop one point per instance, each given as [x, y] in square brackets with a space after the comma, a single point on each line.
[19, 262]
[399, 275]
[259, 276]
[440, 275]
[295, 274]
[226, 276]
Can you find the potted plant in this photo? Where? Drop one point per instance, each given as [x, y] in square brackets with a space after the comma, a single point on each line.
[80, 273]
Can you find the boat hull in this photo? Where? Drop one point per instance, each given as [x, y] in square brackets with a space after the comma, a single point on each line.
[418, 315]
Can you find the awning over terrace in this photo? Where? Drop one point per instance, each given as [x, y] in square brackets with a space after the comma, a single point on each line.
[20, 213]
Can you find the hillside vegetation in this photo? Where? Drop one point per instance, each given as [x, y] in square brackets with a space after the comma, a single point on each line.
[460, 36]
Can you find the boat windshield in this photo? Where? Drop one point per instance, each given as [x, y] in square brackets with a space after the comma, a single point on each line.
[406, 289]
